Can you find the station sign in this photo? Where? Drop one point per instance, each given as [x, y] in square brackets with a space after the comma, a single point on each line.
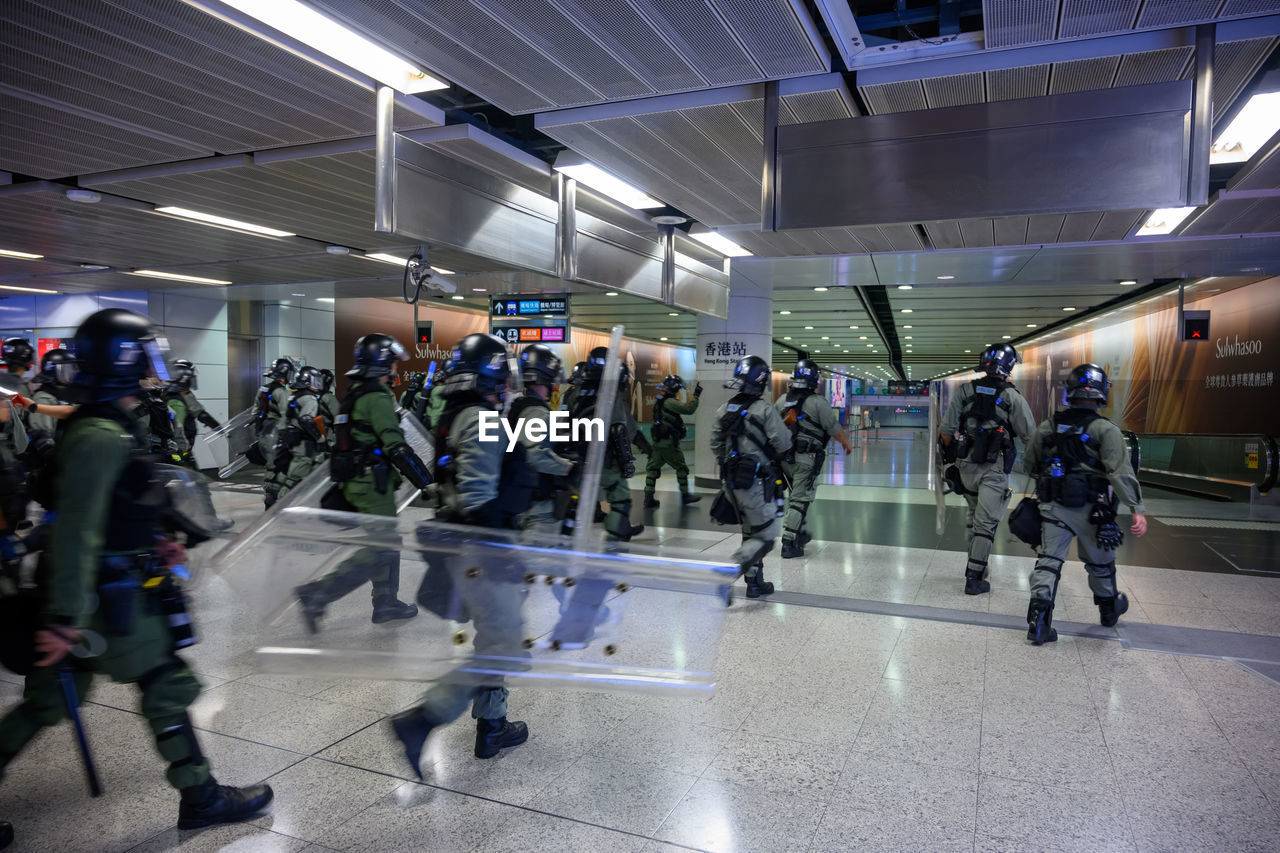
[532, 334]
[524, 306]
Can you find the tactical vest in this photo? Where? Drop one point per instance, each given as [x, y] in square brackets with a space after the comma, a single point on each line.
[1064, 476]
[738, 425]
[806, 435]
[516, 481]
[294, 434]
[350, 458]
[137, 500]
[984, 421]
[262, 403]
[188, 424]
[540, 486]
[666, 426]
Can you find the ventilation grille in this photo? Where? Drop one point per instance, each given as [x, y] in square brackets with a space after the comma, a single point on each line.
[1156, 66]
[955, 90]
[1009, 84]
[1009, 22]
[1083, 75]
[1162, 13]
[1090, 17]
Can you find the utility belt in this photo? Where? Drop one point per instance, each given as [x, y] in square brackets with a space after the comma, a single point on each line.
[986, 446]
[741, 473]
[1071, 490]
[120, 578]
[808, 444]
[345, 467]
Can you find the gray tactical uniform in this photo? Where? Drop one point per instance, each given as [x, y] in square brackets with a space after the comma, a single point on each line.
[542, 458]
[1107, 465]
[762, 427]
[986, 483]
[818, 424]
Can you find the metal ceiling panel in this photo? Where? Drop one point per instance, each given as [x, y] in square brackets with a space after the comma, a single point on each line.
[578, 52]
[1153, 258]
[894, 97]
[944, 235]
[1249, 7]
[1093, 17]
[1044, 227]
[1237, 216]
[955, 90]
[965, 265]
[1163, 13]
[1083, 75]
[1234, 64]
[1011, 230]
[1009, 84]
[1154, 66]
[1261, 174]
[1010, 22]
[977, 232]
[1117, 224]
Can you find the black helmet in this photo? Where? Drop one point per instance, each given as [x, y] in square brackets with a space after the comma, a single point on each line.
[579, 375]
[595, 362]
[309, 378]
[484, 357]
[671, 385]
[998, 359]
[805, 376]
[375, 354]
[750, 375]
[184, 373]
[17, 353]
[58, 367]
[539, 365]
[281, 369]
[328, 378]
[115, 350]
[1087, 382]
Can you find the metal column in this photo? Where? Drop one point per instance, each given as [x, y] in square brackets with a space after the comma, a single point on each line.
[768, 202]
[1201, 116]
[667, 240]
[567, 227]
[384, 208]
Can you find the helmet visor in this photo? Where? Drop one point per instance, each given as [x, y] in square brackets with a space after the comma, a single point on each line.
[156, 349]
[65, 371]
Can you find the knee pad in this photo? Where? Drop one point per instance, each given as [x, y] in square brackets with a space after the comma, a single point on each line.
[1103, 570]
[168, 690]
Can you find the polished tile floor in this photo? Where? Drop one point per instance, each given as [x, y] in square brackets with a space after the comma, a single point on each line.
[831, 728]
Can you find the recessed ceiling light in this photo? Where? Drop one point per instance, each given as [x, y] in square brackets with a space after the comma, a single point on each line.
[1068, 309]
[968, 350]
[1251, 269]
[784, 312]
[826, 337]
[612, 293]
[1127, 282]
[820, 290]
[870, 346]
[478, 290]
[211, 219]
[721, 244]
[662, 339]
[84, 196]
[578, 168]
[853, 327]
[673, 313]
[25, 289]
[26, 256]
[945, 277]
[817, 350]
[1006, 337]
[1031, 325]
[337, 250]
[1164, 221]
[862, 337]
[442, 271]
[324, 299]
[906, 310]
[457, 297]
[787, 338]
[904, 287]
[1253, 125]
[297, 294]
[808, 328]
[94, 267]
[385, 258]
[908, 327]
[173, 276]
[909, 337]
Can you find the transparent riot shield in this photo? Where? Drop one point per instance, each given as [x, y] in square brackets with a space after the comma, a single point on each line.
[497, 606]
[240, 433]
[10, 386]
[589, 485]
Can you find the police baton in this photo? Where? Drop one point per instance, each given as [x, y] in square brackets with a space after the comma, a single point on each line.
[73, 711]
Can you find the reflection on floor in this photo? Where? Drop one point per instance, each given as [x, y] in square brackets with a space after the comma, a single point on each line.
[831, 729]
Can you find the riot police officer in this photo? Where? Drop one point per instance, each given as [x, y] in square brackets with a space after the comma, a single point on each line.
[370, 455]
[541, 370]
[49, 409]
[18, 355]
[303, 441]
[477, 487]
[749, 439]
[328, 403]
[105, 578]
[410, 395]
[187, 408]
[667, 433]
[984, 417]
[619, 463]
[271, 407]
[1083, 473]
[812, 421]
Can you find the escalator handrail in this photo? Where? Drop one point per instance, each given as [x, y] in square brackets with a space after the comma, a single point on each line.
[1269, 470]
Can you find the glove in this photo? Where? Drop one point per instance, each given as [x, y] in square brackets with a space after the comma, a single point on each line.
[629, 469]
[208, 420]
[697, 389]
[643, 444]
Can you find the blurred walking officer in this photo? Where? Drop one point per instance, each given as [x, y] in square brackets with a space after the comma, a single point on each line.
[667, 433]
[812, 421]
[186, 407]
[370, 455]
[477, 488]
[1082, 473]
[749, 439]
[619, 463]
[304, 440]
[541, 468]
[986, 414]
[101, 548]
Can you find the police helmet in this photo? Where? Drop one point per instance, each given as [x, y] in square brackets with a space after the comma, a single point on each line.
[375, 355]
[17, 353]
[805, 376]
[115, 350]
[485, 358]
[58, 367]
[595, 361]
[539, 365]
[672, 385]
[281, 369]
[1087, 382]
[579, 375]
[750, 376]
[185, 373]
[309, 378]
[998, 359]
[328, 378]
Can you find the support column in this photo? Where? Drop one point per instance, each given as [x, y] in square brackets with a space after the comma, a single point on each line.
[721, 343]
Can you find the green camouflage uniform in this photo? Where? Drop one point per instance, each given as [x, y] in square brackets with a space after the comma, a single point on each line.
[666, 450]
[90, 461]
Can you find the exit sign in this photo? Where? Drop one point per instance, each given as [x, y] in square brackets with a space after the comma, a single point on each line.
[1195, 326]
[423, 329]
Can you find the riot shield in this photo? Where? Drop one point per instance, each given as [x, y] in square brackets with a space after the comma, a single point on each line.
[241, 433]
[510, 607]
[589, 484]
[10, 386]
[937, 481]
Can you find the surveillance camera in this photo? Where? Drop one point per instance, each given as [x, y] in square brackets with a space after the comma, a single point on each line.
[440, 283]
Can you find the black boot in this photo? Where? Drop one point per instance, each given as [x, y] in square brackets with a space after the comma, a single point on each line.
[411, 728]
[211, 803]
[1111, 609]
[492, 736]
[650, 502]
[757, 585]
[803, 539]
[388, 608]
[1040, 628]
[6, 834]
[312, 599]
[690, 498]
[790, 549]
[974, 584]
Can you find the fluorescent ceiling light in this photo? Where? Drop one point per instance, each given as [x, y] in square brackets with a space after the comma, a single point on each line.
[28, 256]
[908, 327]
[1257, 121]
[385, 258]
[1006, 337]
[324, 299]
[945, 277]
[442, 271]
[904, 287]
[662, 339]
[906, 310]
[612, 293]
[721, 244]
[820, 290]
[673, 313]
[1031, 325]
[1068, 309]
[862, 337]
[601, 181]
[787, 338]
[173, 276]
[457, 296]
[826, 337]
[1127, 282]
[853, 327]
[343, 44]
[1163, 221]
[25, 289]
[784, 312]
[808, 328]
[209, 218]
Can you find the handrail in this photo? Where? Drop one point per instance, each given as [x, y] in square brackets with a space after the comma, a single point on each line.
[1240, 460]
